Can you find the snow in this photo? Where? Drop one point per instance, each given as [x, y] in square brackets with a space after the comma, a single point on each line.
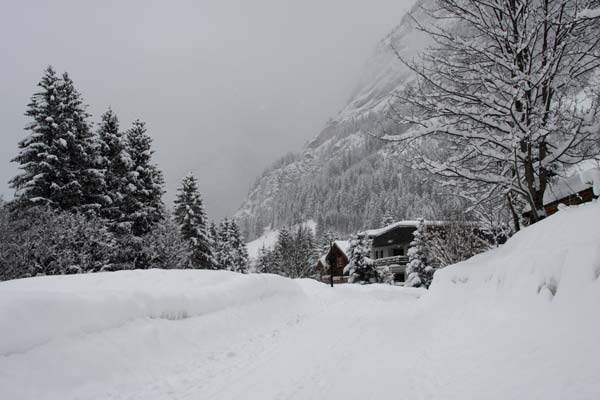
[344, 246]
[44, 309]
[591, 177]
[266, 240]
[519, 322]
[576, 182]
[381, 231]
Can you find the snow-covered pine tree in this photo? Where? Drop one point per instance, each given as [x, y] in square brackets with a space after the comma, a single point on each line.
[56, 157]
[116, 165]
[360, 267]
[238, 247]
[86, 174]
[303, 255]
[213, 237]
[419, 271]
[325, 242]
[220, 238]
[283, 250]
[191, 219]
[387, 219]
[227, 254]
[144, 199]
[264, 261]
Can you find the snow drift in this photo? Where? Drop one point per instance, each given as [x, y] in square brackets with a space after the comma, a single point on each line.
[521, 321]
[39, 310]
[556, 261]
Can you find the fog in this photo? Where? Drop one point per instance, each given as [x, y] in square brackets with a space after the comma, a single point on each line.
[226, 87]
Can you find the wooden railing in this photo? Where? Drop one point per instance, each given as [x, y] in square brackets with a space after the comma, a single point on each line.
[398, 260]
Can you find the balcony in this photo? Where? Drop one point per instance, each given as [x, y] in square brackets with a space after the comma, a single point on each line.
[386, 261]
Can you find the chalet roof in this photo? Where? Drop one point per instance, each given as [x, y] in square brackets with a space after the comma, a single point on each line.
[571, 185]
[576, 183]
[400, 234]
[344, 246]
[373, 233]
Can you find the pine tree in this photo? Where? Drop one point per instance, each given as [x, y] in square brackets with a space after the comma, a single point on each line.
[191, 219]
[238, 247]
[304, 254]
[56, 157]
[419, 270]
[325, 242]
[387, 220]
[231, 253]
[213, 237]
[360, 266]
[116, 164]
[82, 160]
[283, 250]
[144, 201]
[264, 261]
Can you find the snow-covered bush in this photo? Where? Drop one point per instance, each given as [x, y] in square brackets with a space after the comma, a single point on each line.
[43, 241]
[163, 247]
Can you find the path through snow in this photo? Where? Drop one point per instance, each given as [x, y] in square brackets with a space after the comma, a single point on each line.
[348, 342]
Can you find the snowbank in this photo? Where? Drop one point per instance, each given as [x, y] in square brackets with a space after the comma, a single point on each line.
[521, 322]
[41, 309]
[556, 260]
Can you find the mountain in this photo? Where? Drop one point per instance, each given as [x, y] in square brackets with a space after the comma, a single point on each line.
[344, 178]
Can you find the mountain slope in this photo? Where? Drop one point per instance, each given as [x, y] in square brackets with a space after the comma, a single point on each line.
[344, 178]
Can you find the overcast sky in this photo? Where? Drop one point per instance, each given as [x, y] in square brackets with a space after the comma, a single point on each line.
[226, 87]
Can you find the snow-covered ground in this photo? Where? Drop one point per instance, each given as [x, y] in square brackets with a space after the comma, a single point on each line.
[520, 322]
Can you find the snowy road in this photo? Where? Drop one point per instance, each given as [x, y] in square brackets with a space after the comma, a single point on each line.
[348, 342]
[320, 344]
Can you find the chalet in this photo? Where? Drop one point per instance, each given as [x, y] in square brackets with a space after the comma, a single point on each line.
[337, 257]
[389, 248]
[579, 188]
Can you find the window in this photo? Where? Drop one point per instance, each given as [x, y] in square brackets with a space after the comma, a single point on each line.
[399, 251]
[399, 277]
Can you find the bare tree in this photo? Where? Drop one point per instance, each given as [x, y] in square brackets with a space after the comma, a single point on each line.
[504, 93]
[457, 239]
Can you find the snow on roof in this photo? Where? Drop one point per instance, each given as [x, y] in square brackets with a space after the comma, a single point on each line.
[406, 223]
[343, 245]
[571, 185]
[381, 231]
[565, 187]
